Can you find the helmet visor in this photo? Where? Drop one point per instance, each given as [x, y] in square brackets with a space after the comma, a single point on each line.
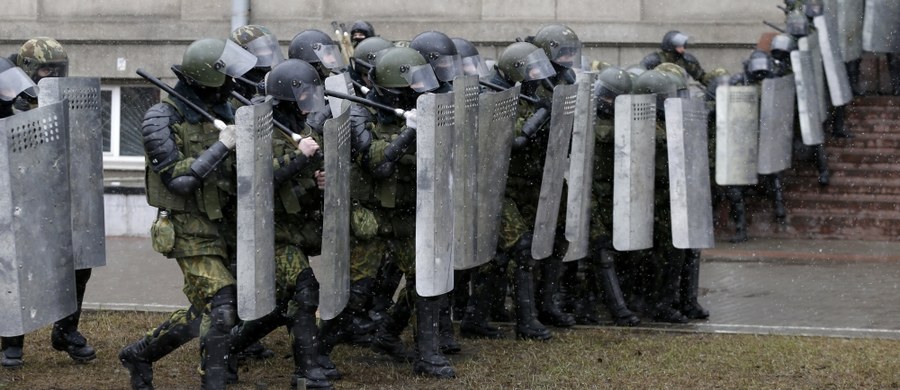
[235, 61]
[536, 66]
[447, 67]
[421, 78]
[266, 50]
[14, 81]
[52, 69]
[330, 55]
[474, 66]
[309, 97]
[760, 64]
[679, 40]
[567, 56]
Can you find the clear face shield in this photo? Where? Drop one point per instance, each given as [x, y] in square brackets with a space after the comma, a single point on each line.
[606, 99]
[421, 78]
[309, 97]
[14, 81]
[329, 55]
[680, 40]
[51, 69]
[266, 50]
[567, 56]
[446, 68]
[536, 66]
[474, 66]
[234, 60]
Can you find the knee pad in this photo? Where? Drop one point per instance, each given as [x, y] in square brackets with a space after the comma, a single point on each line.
[360, 292]
[306, 293]
[223, 309]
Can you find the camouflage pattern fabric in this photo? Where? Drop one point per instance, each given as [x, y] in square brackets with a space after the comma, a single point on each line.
[693, 68]
[203, 277]
[40, 51]
[179, 318]
[601, 188]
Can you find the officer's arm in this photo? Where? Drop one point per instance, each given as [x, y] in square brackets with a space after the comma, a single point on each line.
[692, 66]
[651, 61]
[531, 126]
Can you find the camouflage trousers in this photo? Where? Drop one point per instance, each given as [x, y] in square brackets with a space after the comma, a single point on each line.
[379, 232]
[203, 277]
[188, 319]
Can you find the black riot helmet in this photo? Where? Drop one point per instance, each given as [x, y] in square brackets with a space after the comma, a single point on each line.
[472, 64]
[813, 8]
[796, 24]
[316, 48]
[438, 49]
[782, 46]
[611, 82]
[360, 30]
[296, 81]
[14, 81]
[560, 44]
[758, 66]
[672, 41]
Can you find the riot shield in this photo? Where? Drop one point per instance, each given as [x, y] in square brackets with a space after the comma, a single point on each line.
[342, 83]
[833, 61]
[689, 189]
[465, 166]
[334, 273]
[85, 163]
[811, 44]
[846, 17]
[562, 117]
[634, 172]
[255, 221]
[497, 113]
[581, 163]
[881, 34]
[737, 134]
[776, 124]
[807, 97]
[434, 210]
[36, 267]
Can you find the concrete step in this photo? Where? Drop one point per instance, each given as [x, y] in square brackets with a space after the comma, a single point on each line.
[812, 223]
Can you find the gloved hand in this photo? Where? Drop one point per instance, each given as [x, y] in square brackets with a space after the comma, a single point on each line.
[411, 118]
[227, 136]
[308, 146]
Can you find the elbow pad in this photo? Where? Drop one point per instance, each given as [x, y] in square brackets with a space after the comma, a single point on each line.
[159, 142]
[651, 61]
[384, 170]
[360, 136]
[183, 185]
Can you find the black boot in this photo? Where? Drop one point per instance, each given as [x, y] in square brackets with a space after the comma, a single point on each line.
[778, 197]
[65, 335]
[339, 329]
[528, 327]
[893, 60]
[668, 292]
[605, 275]
[550, 311]
[215, 346]
[388, 280]
[822, 165]
[474, 323]
[306, 349]
[690, 285]
[838, 127]
[11, 348]
[853, 76]
[429, 359]
[248, 333]
[387, 338]
[138, 357]
[735, 196]
[447, 341]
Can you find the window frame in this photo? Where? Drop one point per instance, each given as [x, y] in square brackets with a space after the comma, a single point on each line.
[111, 159]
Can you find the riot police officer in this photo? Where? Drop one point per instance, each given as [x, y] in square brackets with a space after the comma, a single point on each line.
[673, 49]
[360, 31]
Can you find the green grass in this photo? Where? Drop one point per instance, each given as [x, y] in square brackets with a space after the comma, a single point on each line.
[575, 359]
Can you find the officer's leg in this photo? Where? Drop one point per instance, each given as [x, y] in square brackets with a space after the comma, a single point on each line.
[248, 333]
[603, 263]
[822, 164]
[65, 335]
[893, 60]
[838, 122]
[430, 361]
[216, 343]
[474, 323]
[550, 310]
[853, 76]
[690, 285]
[672, 261]
[447, 340]
[138, 357]
[527, 324]
[778, 196]
[304, 333]
[735, 195]
[387, 282]
[11, 347]
[331, 331]
[387, 338]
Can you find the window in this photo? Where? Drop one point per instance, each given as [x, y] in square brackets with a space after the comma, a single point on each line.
[123, 111]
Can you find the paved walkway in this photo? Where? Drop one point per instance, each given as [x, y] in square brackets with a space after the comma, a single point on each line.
[833, 288]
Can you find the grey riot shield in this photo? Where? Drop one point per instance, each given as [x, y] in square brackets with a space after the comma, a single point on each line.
[465, 165]
[85, 163]
[562, 117]
[846, 16]
[833, 61]
[255, 221]
[776, 124]
[36, 268]
[689, 190]
[811, 44]
[497, 112]
[334, 273]
[434, 211]
[342, 83]
[737, 134]
[807, 97]
[881, 32]
[634, 172]
[581, 163]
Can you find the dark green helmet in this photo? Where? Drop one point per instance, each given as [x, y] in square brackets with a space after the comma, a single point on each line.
[13, 81]
[674, 72]
[259, 41]
[314, 47]
[560, 44]
[438, 49]
[402, 67]
[208, 61]
[43, 57]
[297, 81]
[611, 82]
[635, 71]
[522, 61]
[654, 81]
[364, 54]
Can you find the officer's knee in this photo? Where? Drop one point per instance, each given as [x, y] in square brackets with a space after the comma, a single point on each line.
[306, 293]
[223, 309]
[360, 292]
